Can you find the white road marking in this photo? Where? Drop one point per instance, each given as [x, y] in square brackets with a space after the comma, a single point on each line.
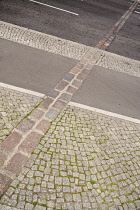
[47, 5]
[137, 12]
[41, 95]
[112, 114]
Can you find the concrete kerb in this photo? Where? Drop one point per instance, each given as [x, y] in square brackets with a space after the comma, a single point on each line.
[42, 41]
[19, 145]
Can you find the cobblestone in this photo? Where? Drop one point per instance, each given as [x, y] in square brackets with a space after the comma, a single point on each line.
[85, 161]
[119, 63]
[14, 106]
[42, 41]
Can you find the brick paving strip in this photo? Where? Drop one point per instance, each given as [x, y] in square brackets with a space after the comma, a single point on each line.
[110, 36]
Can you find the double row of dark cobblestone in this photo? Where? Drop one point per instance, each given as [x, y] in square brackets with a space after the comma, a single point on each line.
[110, 36]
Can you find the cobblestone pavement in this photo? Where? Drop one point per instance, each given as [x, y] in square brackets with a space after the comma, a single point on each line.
[119, 63]
[14, 106]
[3, 207]
[85, 161]
[42, 41]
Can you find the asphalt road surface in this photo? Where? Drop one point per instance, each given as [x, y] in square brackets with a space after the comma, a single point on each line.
[128, 37]
[111, 91]
[82, 21]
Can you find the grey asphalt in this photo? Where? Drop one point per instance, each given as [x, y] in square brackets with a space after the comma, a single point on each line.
[110, 91]
[127, 41]
[96, 18]
[30, 68]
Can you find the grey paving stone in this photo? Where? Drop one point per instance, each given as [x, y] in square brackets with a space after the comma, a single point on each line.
[83, 162]
[4, 207]
[39, 207]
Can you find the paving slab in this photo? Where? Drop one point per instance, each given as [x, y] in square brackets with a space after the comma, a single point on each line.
[85, 161]
[110, 90]
[30, 68]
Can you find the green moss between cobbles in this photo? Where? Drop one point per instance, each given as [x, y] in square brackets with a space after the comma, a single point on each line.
[13, 187]
[113, 183]
[69, 176]
[101, 189]
[121, 180]
[112, 190]
[44, 205]
[129, 201]
[92, 182]
[91, 166]
[34, 203]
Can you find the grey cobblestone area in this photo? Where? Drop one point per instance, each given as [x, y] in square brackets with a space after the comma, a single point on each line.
[119, 63]
[85, 161]
[14, 106]
[42, 41]
[3, 207]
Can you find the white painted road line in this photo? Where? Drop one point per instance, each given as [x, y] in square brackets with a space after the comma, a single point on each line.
[41, 95]
[122, 117]
[47, 5]
[137, 12]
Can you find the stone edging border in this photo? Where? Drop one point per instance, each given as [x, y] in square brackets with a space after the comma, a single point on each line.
[42, 41]
[22, 90]
[100, 111]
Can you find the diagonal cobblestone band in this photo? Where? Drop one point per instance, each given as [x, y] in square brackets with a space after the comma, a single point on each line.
[42, 41]
[85, 161]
